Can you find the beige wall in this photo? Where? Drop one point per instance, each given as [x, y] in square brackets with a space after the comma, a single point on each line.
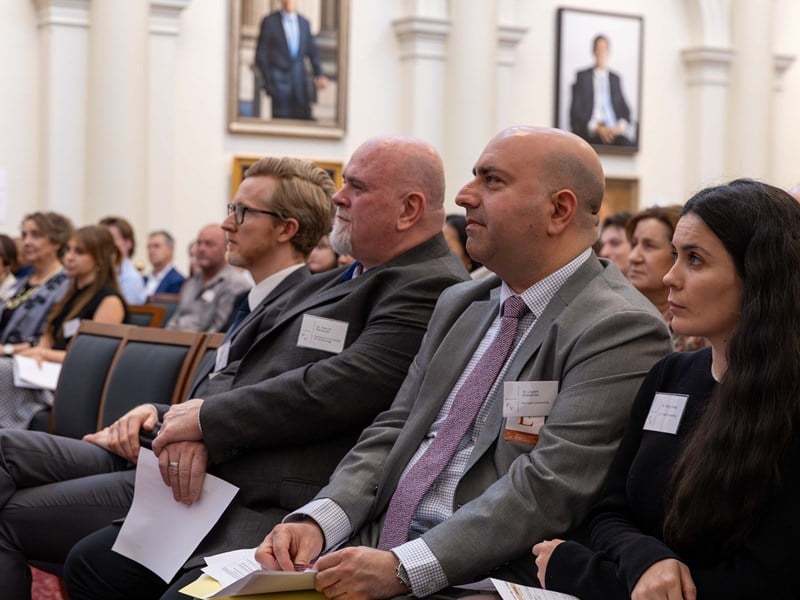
[458, 101]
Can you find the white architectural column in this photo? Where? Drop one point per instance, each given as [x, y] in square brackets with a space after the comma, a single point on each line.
[509, 35]
[707, 74]
[63, 46]
[471, 96]
[422, 35]
[161, 144]
[117, 132]
[751, 99]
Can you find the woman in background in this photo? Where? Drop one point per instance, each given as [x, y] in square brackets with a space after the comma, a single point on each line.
[650, 234]
[93, 293]
[24, 311]
[701, 499]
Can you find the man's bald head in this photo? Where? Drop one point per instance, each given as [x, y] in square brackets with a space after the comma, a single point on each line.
[565, 161]
[392, 199]
[532, 205]
[211, 250]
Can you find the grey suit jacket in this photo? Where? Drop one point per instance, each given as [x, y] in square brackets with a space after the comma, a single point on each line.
[597, 337]
[277, 423]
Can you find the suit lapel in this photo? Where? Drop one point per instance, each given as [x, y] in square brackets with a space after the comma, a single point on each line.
[446, 366]
[248, 329]
[529, 349]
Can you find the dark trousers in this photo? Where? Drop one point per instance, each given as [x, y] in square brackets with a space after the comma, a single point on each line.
[53, 492]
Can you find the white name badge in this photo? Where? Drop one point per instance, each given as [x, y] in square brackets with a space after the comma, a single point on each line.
[320, 333]
[208, 296]
[529, 398]
[221, 360]
[666, 412]
[70, 327]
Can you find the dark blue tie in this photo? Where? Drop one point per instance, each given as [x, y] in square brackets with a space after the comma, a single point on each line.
[348, 275]
[241, 313]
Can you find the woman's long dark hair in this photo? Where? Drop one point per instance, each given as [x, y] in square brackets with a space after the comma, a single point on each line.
[729, 469]
[99, 244]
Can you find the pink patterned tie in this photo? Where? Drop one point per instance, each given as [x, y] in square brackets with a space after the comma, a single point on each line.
[417, 481]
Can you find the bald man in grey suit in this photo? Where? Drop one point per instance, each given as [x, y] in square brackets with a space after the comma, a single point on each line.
[516, 477]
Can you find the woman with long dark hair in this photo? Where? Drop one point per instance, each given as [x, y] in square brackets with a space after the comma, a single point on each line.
[93, 293]
[702, 498]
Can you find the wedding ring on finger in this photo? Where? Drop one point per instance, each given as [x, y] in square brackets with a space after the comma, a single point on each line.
[173, 464]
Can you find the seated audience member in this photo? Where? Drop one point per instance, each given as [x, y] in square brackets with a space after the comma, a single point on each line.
[614, 244]
[704, 504]
[90, 261]
[322, 258]
[455, 232]
[130, 280]
[24, 311]
[442, 489]
[207, 299]
[650, 234]
[8, 263]
[164, 278]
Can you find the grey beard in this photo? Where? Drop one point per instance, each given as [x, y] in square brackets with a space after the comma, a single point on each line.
[340, 240]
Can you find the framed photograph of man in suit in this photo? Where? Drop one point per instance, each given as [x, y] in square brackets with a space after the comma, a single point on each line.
[287, 67]
[599, 74]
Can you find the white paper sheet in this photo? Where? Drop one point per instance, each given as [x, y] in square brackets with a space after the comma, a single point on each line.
[28, 374]
[159, 532]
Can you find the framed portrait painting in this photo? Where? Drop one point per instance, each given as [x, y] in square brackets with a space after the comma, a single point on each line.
[242, 163]
[599, 75]
[287, 67]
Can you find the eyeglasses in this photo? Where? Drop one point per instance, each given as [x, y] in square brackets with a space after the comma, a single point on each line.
[238, 211]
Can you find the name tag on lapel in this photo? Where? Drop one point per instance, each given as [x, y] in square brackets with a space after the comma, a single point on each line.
[526, 404]
[221, 360]
[666, 413]
[320, 333]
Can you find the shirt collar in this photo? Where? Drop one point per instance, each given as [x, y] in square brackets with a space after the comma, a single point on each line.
[264, 287]
[538, 296]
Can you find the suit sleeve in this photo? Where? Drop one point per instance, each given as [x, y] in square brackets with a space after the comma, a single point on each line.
[580, 110]
[549, 489]
[311, 50]
[263, 55]
[341, 392]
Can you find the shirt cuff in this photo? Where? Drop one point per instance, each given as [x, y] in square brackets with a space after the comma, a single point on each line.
[329, 516]
[424, 571]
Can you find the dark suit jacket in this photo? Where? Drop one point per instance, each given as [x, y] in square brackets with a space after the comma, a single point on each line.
[283, 75]
[260, 320]
[597, 337]
[171, 283]
[277, 422]
[582, 105]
